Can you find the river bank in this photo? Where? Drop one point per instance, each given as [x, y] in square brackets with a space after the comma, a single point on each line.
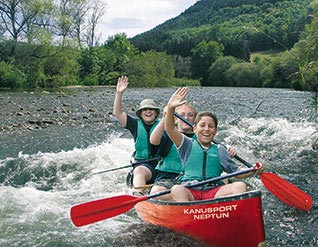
[68, 106]
[80, 105]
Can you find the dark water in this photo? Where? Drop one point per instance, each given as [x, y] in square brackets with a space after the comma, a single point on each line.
[51, 143]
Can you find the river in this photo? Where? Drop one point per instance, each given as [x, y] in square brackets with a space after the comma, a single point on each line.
[52, 143]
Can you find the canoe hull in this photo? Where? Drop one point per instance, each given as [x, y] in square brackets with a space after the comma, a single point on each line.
[222, 222]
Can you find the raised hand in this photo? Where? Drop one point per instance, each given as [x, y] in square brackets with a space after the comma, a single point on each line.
[177, 98]
[122, 84]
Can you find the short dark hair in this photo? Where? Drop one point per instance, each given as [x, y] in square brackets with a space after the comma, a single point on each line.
[206, 114]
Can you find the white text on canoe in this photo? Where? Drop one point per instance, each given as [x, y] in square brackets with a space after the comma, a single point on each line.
[210, 213]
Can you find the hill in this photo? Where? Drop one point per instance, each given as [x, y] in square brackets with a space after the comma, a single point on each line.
[241, 26]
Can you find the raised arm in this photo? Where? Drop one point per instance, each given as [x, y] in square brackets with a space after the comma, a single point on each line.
[156, 134]
[176, 100]
[122, 85]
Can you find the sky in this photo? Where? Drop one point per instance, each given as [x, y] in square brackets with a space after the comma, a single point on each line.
[137, 16]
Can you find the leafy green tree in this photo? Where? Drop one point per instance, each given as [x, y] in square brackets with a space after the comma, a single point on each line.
[150, 69]
[282, 69]
[204, 55]
[305, 53]
[182, 66]
[218, 70]
[244, 75]
[266, 71]
[62, 69]
[20, 19]
[122, 48]
[103, 64]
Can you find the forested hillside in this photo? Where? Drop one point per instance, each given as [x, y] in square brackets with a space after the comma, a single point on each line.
[241, 26]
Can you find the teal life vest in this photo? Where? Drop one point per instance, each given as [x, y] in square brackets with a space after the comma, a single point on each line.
[172, 162]
[142, 141]
[202, 164]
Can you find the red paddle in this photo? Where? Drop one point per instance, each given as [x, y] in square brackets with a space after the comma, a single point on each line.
[94, 211]
[286, 192]
[283, 190]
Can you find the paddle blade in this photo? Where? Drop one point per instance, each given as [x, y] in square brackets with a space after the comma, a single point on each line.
[286, 192]
[94, 211]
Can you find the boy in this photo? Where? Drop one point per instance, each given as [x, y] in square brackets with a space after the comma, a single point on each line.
[201, 158]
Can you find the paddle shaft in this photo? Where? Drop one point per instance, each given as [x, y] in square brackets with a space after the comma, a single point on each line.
[211, 180]
[130, 165]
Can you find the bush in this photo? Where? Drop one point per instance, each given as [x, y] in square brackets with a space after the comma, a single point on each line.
[91, 80]
[10, 77]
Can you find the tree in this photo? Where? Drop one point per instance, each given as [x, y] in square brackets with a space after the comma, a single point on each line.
[150, 69]
[306, 54]
[64, 20]
[244, 75]
[182, 66]
[10, 77]
[204, 55]
[218, 71]
[19, 16]
[80, 9]
[96, 11]
[122, 49]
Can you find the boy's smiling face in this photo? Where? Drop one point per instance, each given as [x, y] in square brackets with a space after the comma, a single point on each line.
[205, 130]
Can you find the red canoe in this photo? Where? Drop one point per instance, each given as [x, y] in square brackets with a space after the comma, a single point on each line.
[222, 222]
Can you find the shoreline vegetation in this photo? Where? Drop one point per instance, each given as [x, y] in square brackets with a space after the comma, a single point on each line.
[212, 43]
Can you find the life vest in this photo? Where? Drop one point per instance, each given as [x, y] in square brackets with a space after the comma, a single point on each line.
[142, 141]
[172, 162]
[202, 163]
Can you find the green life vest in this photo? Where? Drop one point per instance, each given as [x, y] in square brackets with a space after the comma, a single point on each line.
[202, 164]
[172, 162]
[142, 141]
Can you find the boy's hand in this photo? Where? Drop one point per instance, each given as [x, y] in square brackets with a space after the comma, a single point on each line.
[232, 152]
[177, 98]
[259, 168]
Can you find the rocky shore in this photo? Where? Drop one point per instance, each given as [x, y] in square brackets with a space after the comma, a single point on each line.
[69, 106]
[75, 106]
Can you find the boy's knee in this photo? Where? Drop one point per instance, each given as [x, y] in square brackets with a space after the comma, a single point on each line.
[241, 187]
[176, 189]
